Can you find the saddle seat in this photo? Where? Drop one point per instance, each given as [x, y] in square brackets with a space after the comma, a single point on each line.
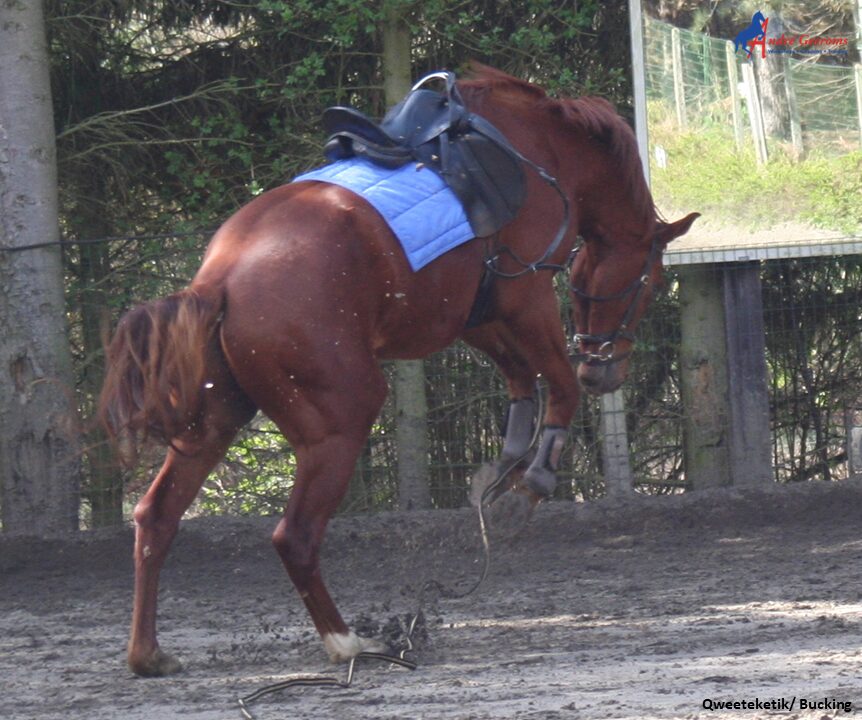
[436, 130]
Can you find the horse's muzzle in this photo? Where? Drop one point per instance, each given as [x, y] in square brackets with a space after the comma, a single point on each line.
[598, 379]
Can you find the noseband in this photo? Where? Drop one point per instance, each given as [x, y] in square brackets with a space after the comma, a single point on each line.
[606, 354]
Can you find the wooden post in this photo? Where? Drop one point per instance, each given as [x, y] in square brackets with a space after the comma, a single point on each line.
[615, 445]
[854, 442]
[733, 82]
[703, 376]
[678, 86]
[748, 397]
[857, 75]
[411, 404]
[707, 64]
[727, 438]
[615, 442]
[755, 114]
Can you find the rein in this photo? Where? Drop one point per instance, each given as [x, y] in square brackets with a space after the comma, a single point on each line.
[606, 354]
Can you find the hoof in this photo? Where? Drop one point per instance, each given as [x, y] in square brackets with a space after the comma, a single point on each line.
[540, 481]
[488, 474]
[510, 513]
[157, 664]
[343, 647]
[482, 479]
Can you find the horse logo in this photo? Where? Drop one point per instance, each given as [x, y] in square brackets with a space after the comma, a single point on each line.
[753, 35]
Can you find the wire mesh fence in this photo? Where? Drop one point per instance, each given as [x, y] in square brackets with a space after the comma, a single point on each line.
[812, 319]
[700, 77]
[813, 341]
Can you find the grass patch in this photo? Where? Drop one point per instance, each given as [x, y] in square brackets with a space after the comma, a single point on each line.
[705, 171]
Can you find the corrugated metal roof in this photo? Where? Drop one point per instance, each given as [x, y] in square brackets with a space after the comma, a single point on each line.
[850, 245]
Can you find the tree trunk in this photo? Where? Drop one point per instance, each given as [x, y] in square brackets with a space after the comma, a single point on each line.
[411, 405]
[39, 443]
[772, 84]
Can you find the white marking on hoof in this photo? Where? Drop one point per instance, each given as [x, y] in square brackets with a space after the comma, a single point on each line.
[344, 646]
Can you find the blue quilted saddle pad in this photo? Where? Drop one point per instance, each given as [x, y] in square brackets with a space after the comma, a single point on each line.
[422, 211]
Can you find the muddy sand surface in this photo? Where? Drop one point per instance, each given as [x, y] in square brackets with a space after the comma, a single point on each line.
[651, 608]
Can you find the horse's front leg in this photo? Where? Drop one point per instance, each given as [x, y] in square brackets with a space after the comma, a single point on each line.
[496, 477]
[524, 348]
[544, 345]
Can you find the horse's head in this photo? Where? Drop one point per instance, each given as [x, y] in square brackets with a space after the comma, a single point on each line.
[611, 288]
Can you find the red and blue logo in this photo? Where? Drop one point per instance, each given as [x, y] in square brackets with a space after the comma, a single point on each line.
[752, 36]
[802, 44]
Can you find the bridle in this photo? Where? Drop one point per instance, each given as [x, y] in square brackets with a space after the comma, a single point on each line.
[606, 354]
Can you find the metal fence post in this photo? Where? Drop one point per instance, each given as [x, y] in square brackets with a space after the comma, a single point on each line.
[854, 442]
[678, 87]
[857, 76]
[755, 114]
[733, 82]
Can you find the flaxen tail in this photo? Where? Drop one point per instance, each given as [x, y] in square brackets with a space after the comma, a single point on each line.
[156, 366]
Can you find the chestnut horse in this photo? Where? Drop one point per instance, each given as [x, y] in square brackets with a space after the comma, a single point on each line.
[305, 290]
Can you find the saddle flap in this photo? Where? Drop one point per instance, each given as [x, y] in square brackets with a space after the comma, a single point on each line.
[489, 179]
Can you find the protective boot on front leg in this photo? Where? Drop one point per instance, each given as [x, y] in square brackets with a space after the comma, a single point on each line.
[517, 437]
[541, 477]
[512, 511]
[518, 429]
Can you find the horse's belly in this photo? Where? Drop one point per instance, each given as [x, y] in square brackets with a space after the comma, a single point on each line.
[415, 334]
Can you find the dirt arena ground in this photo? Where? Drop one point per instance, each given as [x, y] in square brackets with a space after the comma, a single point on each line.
[653, 608]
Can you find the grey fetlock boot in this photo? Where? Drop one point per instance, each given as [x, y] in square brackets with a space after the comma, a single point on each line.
[517, 437]
[540, 477]
[519, 429]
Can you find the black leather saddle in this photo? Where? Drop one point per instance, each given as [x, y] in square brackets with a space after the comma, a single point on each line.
[436, 130]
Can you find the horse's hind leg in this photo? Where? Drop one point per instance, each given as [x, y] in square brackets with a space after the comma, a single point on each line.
[327, 423]
[158, 514]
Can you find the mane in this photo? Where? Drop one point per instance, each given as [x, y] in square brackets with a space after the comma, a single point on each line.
[594, 116]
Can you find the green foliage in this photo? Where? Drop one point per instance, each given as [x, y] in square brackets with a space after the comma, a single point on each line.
[255, 477]
[834, 187]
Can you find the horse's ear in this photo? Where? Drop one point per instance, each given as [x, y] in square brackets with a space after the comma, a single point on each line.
[665, 232]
